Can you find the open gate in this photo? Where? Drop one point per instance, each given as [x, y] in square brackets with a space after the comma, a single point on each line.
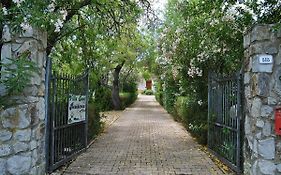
[225, 118]
[67, 117]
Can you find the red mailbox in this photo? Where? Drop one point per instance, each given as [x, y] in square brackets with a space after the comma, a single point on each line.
[278, 120]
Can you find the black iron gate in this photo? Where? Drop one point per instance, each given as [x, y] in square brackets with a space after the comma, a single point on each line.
[67, 118]
[225, 118]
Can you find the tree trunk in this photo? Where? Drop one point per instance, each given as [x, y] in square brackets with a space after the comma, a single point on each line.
[117, 105]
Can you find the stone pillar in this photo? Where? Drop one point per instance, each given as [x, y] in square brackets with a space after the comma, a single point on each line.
[22, 126]
[262, 148]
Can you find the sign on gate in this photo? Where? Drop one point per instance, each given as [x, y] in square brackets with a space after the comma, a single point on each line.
[67, 117]
[76, 108]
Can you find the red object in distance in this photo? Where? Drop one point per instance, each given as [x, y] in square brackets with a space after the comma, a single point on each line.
[148, 84]
[277, 120]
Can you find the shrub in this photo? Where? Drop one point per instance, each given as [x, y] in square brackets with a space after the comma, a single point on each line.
[129, 87]
[193, 116]
[159, 92]
[181, 108]
[128, 98]
[103, 99]
[169, 93]
[148, 92]
[94, 123]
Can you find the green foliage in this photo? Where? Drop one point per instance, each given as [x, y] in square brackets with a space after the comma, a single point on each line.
[128, 98]
[170, 92]
[148, 92]
[94, 123]
[103, 99]
[159, 92]
[193, 116]
[146, 75]
[16, 75]
[181, 108]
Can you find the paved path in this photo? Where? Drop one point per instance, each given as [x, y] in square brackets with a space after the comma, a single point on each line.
[144, 140]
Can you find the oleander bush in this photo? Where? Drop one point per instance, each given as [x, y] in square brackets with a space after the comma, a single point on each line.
[128, 98]
[94, 122]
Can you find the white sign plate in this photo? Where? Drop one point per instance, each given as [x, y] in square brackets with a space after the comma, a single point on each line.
[265, 59]
[76, 108]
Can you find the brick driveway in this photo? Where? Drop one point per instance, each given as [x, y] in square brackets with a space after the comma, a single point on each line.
[144, 140]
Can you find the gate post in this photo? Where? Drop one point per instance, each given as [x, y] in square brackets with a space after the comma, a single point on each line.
[262, 94]
[22, 123]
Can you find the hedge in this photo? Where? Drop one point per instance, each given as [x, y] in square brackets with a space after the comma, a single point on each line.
[128, 98]
[94, 123]
[193, 116]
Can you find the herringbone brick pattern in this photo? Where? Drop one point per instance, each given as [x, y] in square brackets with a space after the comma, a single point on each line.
[144, 140]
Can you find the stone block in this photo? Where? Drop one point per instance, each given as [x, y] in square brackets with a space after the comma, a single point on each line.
[266, 111]
[5, 135]
[260, 85]
[6, 52]
[3, 90]
[41, 109]
[33, 145]
[247, 78]
[35, 79]
[278, 168]
[23, 135]
[19, 164]
[271, 101]
[260, 32]
[5, 150]
[267, 129]
[31, 90]
[266, 148]
[267, 167]
[246, 41]
[29, 45]
[277, 58]
[259, 123]
[15, 46]
[257, 48]
[28, 33]
[2, 166]
[6, 34]
[255, 146]
[277, 86]
[247, 125]
[20, 147]
[259, 135]
[256, 108]
[271, 48]
[41, 90]
[34, 158]
[257, 67]
[24, 117]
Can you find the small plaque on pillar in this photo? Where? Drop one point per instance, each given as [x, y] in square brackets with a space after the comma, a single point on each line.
[263, 63]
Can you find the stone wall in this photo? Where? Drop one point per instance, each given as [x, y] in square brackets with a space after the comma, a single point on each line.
[262, 148]
[22, 128]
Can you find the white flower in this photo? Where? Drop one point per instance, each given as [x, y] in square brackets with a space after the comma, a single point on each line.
[5, 11]
[18, 2]
[58, 25]
[64, 14]
[200, 102]
[25, 26]
[51, 7]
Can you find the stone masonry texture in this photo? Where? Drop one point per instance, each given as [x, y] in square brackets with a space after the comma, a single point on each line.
[144, 140]
[262, 84]
[22, 125]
